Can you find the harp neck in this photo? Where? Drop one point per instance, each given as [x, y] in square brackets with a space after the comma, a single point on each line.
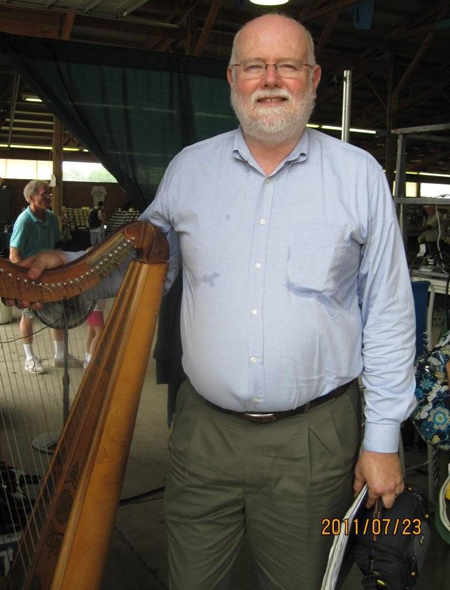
[141, 239]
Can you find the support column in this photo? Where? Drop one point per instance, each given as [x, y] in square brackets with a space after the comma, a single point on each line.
[391, 116]
[191, 32]
[346, 106]
[57, 149]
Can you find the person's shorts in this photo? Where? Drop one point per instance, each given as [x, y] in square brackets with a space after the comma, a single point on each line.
[95, 319]
[28, 313]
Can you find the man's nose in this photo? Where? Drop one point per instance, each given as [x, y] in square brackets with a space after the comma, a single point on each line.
[271, 77]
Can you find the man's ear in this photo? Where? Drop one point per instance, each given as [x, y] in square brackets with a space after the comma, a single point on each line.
[317, 74]
[230, 75]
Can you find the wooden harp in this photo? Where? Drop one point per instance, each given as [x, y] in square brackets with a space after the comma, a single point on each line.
[65, 542]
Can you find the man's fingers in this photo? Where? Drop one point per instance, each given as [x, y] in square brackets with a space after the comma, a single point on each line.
[358, 485]
[388, 500]
[34, 306]
[43, 261]
[371, 498]
[35, 272]
[21, 304]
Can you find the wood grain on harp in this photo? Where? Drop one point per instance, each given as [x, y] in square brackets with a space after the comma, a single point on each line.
[65, 542]
[85, 273]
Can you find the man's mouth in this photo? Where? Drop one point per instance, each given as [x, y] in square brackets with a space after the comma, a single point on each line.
[272, 99]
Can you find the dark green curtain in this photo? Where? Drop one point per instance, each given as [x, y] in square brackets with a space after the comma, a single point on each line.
[134, 110]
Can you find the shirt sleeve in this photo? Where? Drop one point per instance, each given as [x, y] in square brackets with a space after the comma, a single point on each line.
[158, 213]
[389, 334]
[19, 236]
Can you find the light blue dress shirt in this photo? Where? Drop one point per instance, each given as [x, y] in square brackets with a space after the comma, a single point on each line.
[294, 283]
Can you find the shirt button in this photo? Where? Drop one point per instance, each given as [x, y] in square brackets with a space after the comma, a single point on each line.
[253, 311]
[267, 180]
[262, 221]
[256, 400]
[253, 359]
[257, 265]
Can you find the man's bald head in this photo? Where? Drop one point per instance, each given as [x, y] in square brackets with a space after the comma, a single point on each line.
[292, 26]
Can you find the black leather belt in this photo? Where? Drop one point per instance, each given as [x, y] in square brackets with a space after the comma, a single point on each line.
[274, 416]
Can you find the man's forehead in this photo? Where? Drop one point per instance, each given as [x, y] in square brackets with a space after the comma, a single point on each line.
[274, 33]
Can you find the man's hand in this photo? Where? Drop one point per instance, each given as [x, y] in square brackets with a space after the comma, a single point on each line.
[383, 474]
[37, 264]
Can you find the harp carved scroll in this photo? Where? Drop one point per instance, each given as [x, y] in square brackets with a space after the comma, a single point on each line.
[65, 542]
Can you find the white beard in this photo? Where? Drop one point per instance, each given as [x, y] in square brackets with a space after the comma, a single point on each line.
[273, 125]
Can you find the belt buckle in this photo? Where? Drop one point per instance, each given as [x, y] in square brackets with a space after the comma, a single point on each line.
[259, 417]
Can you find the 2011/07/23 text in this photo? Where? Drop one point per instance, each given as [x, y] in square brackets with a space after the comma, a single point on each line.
[372, 526]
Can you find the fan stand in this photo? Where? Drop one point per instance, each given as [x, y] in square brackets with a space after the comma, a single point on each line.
[46, 443]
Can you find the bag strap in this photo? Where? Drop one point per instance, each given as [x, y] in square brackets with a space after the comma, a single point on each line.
[369, 582]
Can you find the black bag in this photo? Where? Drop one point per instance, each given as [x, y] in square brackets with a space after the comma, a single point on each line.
[390, 545]
[94, 221]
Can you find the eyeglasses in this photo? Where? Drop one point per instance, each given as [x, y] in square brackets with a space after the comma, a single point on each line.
[285, 68]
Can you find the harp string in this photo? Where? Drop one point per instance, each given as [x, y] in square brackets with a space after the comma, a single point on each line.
[23, 393]
[15, 390]
[46, 398]
[21, 390]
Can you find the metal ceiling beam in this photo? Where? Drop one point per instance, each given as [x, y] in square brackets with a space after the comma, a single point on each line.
[313, 5]
[429, 160]
[164, 45]
[320, 12]
[12, 110]
[46, 24]
[377, 114]
[210, 20]
[374, 90]
[422, 129]
[408, 29]
[413, 64]
[432, 138]
[327, 30]
[68, 23]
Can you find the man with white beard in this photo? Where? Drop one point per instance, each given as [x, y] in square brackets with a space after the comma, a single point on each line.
[295, 283]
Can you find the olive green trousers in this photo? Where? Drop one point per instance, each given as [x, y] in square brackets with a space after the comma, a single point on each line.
[273, 482]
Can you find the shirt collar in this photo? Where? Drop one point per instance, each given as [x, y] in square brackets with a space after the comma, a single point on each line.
[34, 218]
[298, 154]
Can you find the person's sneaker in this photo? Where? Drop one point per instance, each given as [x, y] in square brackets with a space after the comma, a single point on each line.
[86, 364]
[33, 365]
[73, 362]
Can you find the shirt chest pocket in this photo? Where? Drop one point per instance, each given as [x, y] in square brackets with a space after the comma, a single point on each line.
[316, 253]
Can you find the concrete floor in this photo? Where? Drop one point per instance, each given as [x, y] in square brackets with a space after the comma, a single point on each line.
[137, 558]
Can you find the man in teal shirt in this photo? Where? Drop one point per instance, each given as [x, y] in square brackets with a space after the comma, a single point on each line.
[36, 229]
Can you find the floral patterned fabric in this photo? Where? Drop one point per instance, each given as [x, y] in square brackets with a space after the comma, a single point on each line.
[431, 416]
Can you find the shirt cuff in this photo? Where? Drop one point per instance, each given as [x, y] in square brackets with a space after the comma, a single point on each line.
[381, 438]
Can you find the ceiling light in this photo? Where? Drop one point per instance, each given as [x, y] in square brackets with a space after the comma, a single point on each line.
[368, 131]
[39, 147]
[269, 2]
[25, 147]
[352, 129]
[433, 174]
[32, 99]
